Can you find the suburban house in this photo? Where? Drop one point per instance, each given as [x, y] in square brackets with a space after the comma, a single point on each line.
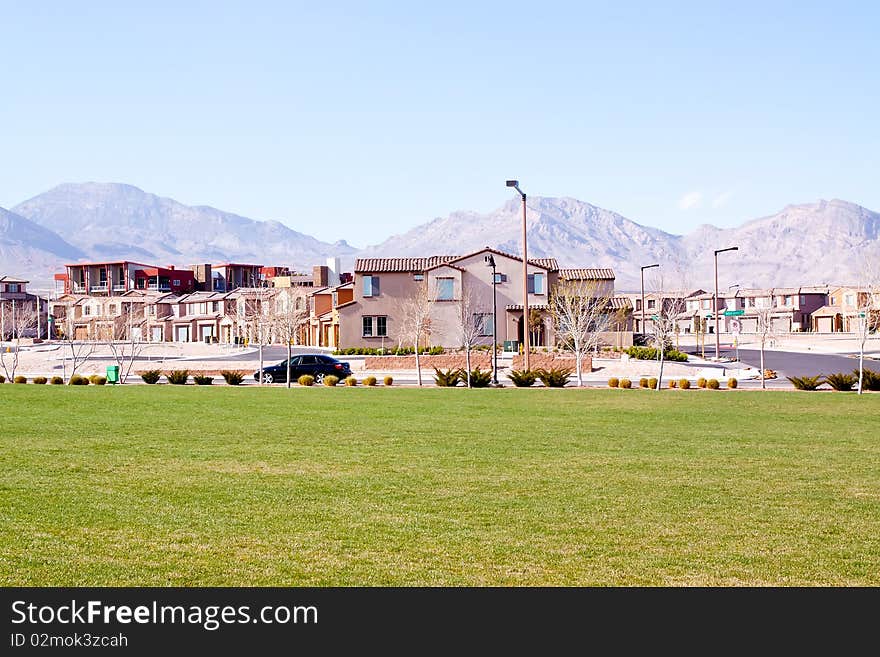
[663, 303]
[844, 308]
[792, 309]
[455, 285]
[28, 311]
[88, 317]
[110, 278]
[324, 307]
[229, 276]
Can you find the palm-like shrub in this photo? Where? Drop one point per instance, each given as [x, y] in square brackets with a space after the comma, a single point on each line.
[306, 380]
[613, 382]
[232, 377]
[870, 380]
[479, 378]
[177, 377]
[806, 382]
[151, 376]
[203, 380]
[555, 377]
[447, 379]
[841, 382]
[523, 378]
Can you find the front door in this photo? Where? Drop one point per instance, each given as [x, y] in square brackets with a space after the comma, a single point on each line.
[156, 334]
[182, 334]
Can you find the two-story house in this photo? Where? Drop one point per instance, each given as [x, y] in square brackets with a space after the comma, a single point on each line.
[382, 286]
[29, 312]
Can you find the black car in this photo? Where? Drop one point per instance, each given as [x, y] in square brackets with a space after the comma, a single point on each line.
[318, 365]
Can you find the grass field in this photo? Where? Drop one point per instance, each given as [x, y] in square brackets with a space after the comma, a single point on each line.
[218, 486]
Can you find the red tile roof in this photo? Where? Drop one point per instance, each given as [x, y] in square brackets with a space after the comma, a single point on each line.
[582, 274]
[371, 265]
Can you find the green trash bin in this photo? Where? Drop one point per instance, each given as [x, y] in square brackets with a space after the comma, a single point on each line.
[113, 374]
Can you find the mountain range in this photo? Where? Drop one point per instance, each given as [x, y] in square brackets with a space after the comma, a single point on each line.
[804, 244]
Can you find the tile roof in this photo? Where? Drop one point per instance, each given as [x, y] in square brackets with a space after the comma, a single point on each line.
[371, 265]
[584, 274]
[619, 303]
[532, 306]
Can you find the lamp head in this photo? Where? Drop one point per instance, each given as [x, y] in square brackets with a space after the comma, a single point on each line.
[513, 183]
[490, 260]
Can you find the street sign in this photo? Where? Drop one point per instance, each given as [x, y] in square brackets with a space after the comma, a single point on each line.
[734, 313]
[654, 317]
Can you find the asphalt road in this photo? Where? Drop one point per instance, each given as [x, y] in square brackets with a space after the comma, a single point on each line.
[789, 363]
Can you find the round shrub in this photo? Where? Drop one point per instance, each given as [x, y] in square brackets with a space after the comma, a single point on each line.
[330, 380]
[2, 379]
[98, 380]
[643, 382]
[20, 379]
[370, 381]
[713, 384]
[351, 381]
[77, 380]
[93, 379]
[306, 380]
[388, 380]
[56, 381]
[626, 383]
[613, 382]
[40, 380]
[684, 384]
[652, 383]
[671, 383]
[151, 376]
[732, 383]
[701, 382]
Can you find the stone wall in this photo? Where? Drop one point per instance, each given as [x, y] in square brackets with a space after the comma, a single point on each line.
[550, 360]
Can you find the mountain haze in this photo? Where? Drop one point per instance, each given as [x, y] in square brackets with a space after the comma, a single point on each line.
[804, 244]
[110, 220]
[27, 249]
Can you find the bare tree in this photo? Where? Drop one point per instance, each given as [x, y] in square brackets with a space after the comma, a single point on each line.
[765, 331]
[21, 320]
[415, 314]
[868, 302]
[469, 327]
[670, 305]
[581, 313]
[288, 314]
[126, 341]
[255, 316]
[79, 350]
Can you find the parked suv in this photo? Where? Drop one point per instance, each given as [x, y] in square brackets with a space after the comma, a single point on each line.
[318, 365]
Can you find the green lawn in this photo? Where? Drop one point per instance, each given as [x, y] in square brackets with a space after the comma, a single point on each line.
[165, 485]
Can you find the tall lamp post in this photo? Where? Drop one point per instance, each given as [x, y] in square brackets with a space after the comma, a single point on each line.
[525, 267]
[643, 293]
[491, 262]
[715, 310]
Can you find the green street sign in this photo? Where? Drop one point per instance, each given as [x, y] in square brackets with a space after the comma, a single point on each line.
[861, 314]
[654, 317]
[734, 313]
[709, 316]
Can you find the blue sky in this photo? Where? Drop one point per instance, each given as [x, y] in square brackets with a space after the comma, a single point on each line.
[360, 120]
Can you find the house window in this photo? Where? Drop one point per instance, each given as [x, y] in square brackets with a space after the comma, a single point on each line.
[803, 300]
[215, 306]
[112, 308]
[651, 304]
[176, 282]
[445, 289]
[500, 278]
[850, 299]
[381, 326]
[371, 286]
[418, 277]
[483, 322]
[87, 310]
[536, 283]
[368, 327]
[375, 326]
[12, 287]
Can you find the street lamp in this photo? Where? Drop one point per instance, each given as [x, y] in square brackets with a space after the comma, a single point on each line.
[525, 267]
[491, 262]
[643, 293]
[715, 311]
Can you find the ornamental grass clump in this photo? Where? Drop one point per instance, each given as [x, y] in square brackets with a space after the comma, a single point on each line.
[151, 376]
[203, 380]
[523, 378]
[232, 377]
[177, 377]
[806, 382]
[841, 382]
